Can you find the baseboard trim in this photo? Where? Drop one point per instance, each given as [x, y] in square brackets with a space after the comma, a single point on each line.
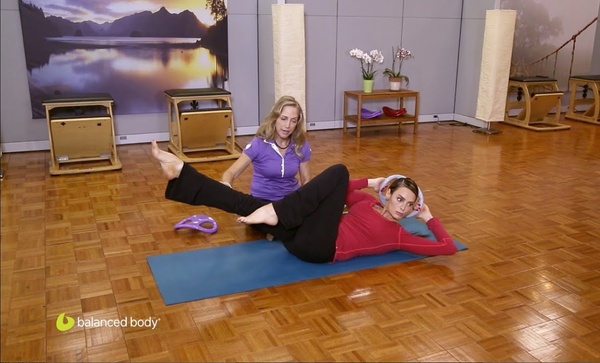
[44, 145]
[13, 147]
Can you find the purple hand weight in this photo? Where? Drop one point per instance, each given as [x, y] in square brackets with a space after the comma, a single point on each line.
[196, 222]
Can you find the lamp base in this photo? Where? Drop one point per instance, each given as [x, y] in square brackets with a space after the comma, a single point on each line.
[487, 130]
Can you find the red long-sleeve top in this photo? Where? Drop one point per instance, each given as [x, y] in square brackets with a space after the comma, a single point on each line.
[363, 231]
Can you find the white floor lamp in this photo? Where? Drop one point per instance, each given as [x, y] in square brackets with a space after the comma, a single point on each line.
[289, 57]
[495, 67]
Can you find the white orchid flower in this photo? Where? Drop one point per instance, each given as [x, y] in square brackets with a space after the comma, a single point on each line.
[367, 60]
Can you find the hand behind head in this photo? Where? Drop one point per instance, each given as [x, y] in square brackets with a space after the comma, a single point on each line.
[424, 213]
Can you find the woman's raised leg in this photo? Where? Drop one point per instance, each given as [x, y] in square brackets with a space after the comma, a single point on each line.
[187, 185]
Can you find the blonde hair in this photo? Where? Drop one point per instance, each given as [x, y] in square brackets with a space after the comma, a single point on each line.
[267, 130]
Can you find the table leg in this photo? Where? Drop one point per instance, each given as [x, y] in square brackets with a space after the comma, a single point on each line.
[416, 114]
[358, 116]
[345, 113]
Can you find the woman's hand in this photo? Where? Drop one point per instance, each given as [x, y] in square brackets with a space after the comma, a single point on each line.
[424, 213]
[375, 183]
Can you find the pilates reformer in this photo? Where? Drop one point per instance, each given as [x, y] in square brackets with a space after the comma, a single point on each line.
[535, 99]
[589, 107]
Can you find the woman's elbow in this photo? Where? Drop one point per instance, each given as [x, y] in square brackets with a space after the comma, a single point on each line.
[450, 248]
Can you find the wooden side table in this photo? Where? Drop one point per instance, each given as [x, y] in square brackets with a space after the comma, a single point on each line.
[194, 129]
[362, 97]
[535, 97]
[81, 132]
[589, 84]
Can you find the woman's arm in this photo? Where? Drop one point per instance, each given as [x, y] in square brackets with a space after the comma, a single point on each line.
[353, 195]
[375, 183]
[423, 246]
[356, 184]
[444, 245]
[236, 169]
[304, 172]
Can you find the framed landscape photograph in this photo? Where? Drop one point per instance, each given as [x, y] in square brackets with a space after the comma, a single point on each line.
[130, 49]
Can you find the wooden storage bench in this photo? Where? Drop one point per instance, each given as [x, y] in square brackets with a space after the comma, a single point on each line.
[194, 130]
[81, 133]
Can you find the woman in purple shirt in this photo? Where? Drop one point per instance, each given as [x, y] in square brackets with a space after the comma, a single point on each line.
[277, 153]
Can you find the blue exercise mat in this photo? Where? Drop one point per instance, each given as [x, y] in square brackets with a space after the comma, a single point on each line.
[204, 273]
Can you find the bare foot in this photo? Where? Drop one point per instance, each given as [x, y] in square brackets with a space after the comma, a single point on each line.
[265, 214]
[171, 165]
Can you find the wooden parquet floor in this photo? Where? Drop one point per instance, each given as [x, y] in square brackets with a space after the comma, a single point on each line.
[527, 204]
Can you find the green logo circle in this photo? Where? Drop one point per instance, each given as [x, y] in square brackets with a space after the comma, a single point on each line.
[64, 323]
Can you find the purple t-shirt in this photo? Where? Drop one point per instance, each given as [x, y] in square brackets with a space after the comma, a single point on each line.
[274, 175]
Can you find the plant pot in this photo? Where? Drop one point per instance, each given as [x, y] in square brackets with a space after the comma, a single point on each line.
[367, 85]
[395, 83]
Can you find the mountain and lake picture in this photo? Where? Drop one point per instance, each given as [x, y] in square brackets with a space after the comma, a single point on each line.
[74, 47]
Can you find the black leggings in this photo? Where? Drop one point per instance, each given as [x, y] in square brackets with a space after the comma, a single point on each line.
[308, 217]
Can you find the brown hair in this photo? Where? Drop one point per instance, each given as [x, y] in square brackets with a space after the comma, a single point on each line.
[266, 129]
[404, 182]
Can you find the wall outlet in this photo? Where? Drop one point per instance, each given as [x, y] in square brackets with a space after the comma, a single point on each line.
[122, 137]
[312, 124]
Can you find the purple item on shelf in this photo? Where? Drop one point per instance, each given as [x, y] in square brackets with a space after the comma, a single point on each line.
[367, 114]
[196, 222]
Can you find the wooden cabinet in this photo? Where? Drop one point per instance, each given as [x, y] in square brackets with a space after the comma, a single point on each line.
[398, 96]
[81, 134]
[198, 133]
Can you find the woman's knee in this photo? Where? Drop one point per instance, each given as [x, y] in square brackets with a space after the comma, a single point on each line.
[341, 170]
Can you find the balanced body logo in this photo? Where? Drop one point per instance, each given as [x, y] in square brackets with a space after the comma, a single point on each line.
[64, 323]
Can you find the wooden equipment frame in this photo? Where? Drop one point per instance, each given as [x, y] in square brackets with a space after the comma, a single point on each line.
[201, 129]
[589, 83]
[535, 97]
[81, 130]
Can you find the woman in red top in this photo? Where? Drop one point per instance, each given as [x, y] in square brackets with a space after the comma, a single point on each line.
[310, 221]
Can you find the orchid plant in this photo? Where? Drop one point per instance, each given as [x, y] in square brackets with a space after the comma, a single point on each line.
[399, 55]
[367, 61]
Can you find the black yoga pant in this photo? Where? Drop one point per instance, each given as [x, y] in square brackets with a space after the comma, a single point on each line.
[195, 188]
[308, 217]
